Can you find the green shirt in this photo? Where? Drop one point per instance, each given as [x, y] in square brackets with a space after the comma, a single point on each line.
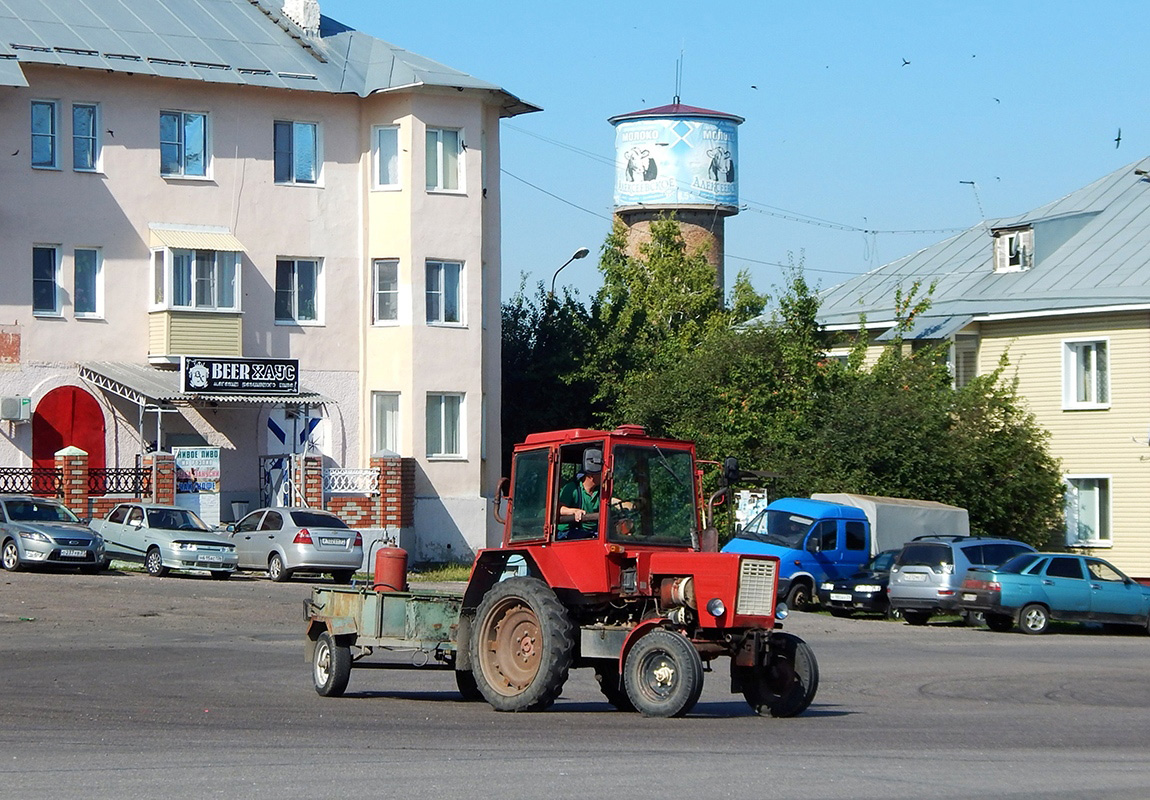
[575, 495]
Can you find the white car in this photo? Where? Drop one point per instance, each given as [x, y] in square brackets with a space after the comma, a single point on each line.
[163, 538]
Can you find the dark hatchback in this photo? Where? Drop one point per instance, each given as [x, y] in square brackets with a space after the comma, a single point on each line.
[865, 591]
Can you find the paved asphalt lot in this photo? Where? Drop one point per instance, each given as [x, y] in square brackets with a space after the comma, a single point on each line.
[125, 686]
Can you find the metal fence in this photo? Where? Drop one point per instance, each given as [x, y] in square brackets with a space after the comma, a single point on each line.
[43, 481]
[342, 480]
[134, 481]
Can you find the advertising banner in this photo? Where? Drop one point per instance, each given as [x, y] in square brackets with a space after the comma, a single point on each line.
[667, 161]
[239, 376]
[198, 481]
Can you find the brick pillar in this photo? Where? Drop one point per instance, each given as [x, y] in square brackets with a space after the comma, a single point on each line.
[396, 491]
[311, 482]
[163, 477]
[73, 465]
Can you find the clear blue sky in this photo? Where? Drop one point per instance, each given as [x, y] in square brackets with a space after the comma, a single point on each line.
[1023, 98]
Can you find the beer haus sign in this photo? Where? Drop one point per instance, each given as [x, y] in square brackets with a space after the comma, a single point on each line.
[239, 376]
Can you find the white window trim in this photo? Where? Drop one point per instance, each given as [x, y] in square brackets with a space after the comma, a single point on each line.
[1069, 373]
[461, 167]
[318, 322]
[208, 160]
[169, 289]
[376, 184]
[440, 323]
[55, 104]
[375, 397]
[1002, 256]
[1107, 511]
[56, 311]
[399, 311]
[98, 157]
[318, 183]
[462, 454]
[99, 312]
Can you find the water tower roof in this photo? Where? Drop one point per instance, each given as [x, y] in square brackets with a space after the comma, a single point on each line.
[675, 110]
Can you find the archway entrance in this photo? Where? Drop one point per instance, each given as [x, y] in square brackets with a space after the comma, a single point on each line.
[67, 416]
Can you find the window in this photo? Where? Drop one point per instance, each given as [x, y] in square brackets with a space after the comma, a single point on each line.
[443, 292]
[856, 536]
[85, 138]
[44, 133]
[297, 290]
[1086, 375]
[1063, 567]
[296, 152]
[387, 157]
[88, 283]
[443, 148]
[183, 144]
[964, 365]
[827, 535]
[196, 279]
[1087, 511]
[386, 291]
[46, 280]
[1013, 250]
[385, 413]
[443, 425]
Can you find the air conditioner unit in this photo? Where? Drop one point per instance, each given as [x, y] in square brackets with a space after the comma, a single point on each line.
[16, 409]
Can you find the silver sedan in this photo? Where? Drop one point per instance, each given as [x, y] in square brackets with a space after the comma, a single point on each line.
[284, 541]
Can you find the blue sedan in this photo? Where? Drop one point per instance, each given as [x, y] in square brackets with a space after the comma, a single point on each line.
[1032, 589]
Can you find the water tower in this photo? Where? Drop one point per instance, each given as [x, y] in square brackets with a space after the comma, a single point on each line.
[679, 159]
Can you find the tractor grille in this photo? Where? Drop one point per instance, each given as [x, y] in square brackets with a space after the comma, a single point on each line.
[756, 587]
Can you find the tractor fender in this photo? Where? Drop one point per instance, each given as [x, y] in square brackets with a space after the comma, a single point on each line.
[637, 633]
[492, 566]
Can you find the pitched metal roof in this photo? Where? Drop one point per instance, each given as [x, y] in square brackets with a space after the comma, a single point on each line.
[245, 42]
[676, 110]
[1091, 250]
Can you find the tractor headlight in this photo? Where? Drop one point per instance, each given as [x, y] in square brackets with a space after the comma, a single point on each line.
[715, 607]
[781, 611]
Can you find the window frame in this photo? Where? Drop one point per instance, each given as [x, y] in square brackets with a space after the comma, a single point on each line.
[1103, 509]
[94, 150]
[377, 292]
[438, 401]
[163, 278]
[318, 297]
[1007, 259]
[439, 291]
[1072, 350]
[52, 137]
[435, 170]
[97, 311]
[380, 434]
[378, 163]
[293, 127]
[182, 145]
[55, 311]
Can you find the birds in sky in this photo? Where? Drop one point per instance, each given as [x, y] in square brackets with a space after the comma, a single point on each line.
[1118, 139]
[905, 63]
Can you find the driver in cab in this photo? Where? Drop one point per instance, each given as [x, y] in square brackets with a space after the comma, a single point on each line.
[578, 499]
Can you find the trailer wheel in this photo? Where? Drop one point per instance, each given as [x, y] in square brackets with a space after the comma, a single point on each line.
[522, 645]
[607, 676]
[330, 666]
[663, 674]
[786, 684]
[465, 682]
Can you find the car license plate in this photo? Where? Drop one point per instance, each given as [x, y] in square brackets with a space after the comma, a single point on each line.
[914, 576]
[839, 597]
[333, 542]
[968, 597]
[211, 559]
[73, 553]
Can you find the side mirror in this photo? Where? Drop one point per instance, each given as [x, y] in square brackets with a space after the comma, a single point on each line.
[593, 460]
[813, 545]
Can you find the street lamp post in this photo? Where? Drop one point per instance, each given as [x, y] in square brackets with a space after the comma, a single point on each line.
[580, 253]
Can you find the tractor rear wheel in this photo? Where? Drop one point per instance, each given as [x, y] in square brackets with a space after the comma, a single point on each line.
[785, 685]
[663, 674]
[522, 645]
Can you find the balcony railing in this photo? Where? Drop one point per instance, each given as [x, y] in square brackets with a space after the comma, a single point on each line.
[133, 481]
[42, 481]
[341, 480]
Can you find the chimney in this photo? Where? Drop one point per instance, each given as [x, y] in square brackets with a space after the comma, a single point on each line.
[304, 13]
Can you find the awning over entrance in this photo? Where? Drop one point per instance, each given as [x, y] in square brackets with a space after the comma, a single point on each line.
[179, 239]
[148, 386]
[10, 72]
[930, 328]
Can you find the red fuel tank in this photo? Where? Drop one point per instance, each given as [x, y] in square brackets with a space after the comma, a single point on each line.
[390, 570]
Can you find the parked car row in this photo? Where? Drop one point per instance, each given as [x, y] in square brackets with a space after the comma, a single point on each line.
[1003, 583]
[280, 541]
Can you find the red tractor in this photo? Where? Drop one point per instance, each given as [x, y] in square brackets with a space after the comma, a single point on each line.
[605, 563]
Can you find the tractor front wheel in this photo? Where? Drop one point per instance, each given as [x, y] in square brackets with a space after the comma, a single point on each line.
[785, 685]
[522, 645]
[663, 674]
